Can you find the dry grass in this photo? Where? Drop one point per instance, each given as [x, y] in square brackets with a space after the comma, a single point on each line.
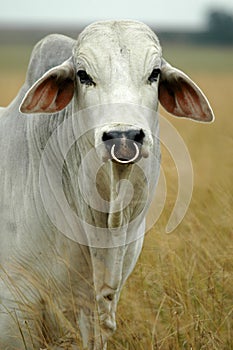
[180, 295]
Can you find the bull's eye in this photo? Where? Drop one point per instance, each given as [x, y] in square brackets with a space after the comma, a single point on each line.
[154, 75]
[85, 78]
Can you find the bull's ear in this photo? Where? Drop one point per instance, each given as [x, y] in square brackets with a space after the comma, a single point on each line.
[52, 92]
[180, 96]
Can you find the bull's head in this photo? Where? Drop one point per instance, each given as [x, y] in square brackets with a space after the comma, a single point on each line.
[118, 62]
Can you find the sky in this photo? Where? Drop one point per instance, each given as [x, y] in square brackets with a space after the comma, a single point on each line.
[161, 13]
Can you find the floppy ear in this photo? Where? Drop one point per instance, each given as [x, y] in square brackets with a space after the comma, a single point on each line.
[52, 92]
[180, 96]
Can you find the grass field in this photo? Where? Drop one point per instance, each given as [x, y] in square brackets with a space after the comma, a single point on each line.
[180, 295]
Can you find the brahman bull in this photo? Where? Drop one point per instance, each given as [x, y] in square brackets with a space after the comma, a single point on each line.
[79, 163]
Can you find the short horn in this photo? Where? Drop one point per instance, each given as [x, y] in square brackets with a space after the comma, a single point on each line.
[125, 161]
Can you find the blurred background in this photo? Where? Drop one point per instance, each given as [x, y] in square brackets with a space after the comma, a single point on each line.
[180, 295]
[199, 34]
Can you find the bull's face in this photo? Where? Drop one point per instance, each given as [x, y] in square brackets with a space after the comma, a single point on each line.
[119, 63]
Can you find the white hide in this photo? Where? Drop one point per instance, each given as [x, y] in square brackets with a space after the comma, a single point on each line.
[64, 259]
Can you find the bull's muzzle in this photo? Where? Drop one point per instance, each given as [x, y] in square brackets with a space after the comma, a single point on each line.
[124, 147]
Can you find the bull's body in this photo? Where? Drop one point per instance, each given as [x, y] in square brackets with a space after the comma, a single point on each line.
[49, 276]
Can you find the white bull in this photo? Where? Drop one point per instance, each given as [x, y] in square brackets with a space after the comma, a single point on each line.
[76, 179]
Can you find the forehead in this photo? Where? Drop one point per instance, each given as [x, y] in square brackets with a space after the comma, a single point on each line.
[124, 40]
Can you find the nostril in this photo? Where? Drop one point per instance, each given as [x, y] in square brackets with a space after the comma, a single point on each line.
[111, 135]
[139, 136]
[106, 136]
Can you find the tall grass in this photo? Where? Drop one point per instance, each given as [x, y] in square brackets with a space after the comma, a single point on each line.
[180, 295]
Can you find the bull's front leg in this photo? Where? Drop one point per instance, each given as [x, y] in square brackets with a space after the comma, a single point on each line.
[97, 322]
[94, 333]
[97, 318]
[111, 267]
